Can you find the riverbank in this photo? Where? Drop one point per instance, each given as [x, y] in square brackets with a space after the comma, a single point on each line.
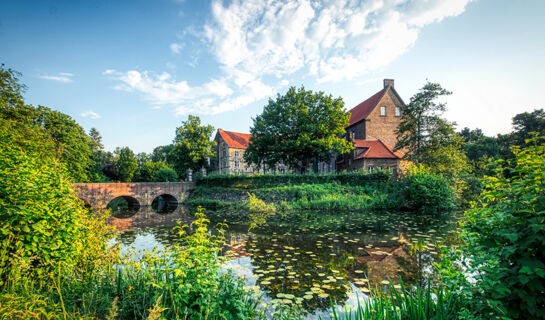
[291, 198]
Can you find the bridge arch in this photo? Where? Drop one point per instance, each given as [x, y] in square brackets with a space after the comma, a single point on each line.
[123, 206]
[164, 203]
[101, 194]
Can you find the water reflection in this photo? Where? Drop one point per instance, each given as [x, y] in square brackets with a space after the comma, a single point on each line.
[307, 266]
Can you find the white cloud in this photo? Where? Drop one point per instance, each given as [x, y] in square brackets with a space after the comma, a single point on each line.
[260, 44]
[213, 97]
[176, 48]
[91, 114]
[64, 77]
[333, 40]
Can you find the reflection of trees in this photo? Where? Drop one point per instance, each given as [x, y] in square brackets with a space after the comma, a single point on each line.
[127, 238]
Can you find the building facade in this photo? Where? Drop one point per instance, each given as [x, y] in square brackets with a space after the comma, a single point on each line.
[372, 130]
[230, 148]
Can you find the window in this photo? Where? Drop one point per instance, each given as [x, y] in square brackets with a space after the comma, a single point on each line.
[236, 154]
[398, 112]
[383, 111]
[236, 163]
[379, 168]
[370, 168]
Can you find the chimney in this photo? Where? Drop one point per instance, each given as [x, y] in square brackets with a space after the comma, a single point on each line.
[388, 83]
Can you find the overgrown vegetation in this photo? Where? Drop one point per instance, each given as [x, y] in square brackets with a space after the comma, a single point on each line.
[500, 271]
[403, 303]
[294, 196]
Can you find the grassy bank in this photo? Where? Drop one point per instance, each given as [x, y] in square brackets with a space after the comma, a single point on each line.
[301, 196]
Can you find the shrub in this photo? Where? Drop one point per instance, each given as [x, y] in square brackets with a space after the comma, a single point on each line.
[165, 175]
[504, 238]
[428, 193]
[43, 221]
[259, 211]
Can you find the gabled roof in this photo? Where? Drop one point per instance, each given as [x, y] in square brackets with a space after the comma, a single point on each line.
[376, 149]
[362, 110]
[235, 139]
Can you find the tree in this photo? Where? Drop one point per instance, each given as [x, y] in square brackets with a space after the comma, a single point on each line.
[165, 175]
[125, 164]
[427, 138]
[192, 145]
[297, 129]
[527, 125]
[162, 154]
[68, 141]
[11, 90]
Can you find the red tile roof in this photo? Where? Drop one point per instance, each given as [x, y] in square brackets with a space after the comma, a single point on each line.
[362, 110]
[376, 149]
[235, 139]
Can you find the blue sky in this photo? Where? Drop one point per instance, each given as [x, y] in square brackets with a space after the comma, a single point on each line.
[136, 69]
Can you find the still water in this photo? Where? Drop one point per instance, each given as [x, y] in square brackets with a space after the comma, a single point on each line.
[308, 266]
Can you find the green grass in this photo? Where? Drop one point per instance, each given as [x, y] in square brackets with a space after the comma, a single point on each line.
[403, 304]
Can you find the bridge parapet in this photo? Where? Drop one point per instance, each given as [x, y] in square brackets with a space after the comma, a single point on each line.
[100, 194]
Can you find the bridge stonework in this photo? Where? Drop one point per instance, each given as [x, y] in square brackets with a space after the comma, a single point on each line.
[100, 194]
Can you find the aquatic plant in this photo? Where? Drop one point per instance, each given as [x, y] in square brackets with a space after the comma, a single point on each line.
[402, 303]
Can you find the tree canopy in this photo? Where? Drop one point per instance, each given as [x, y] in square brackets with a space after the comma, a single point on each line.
[191, 146]
[297, 129]
[63, 138]
[125, 164]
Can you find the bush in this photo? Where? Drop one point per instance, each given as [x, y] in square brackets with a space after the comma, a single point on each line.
[44, 224]
[504, 239]
[165, 175]
[355, 178]
[427, 193]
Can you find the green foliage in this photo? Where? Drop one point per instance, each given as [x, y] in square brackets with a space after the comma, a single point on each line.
[148, 171]
[44, 224]
[192, 145]
[354, 178]
[417, 304]
[183, 282]
[420, 120]
[297, 129]
[64, 138]
[165, 175]
[11, 90]
[427, 192]
[259, 211]
[125, 164]
[504, 237]
[431, 140]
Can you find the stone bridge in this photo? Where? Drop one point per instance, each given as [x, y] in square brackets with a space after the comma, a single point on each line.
[98, 195]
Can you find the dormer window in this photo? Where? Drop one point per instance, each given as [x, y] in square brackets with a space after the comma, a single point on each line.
[383, 111]
[398, 112]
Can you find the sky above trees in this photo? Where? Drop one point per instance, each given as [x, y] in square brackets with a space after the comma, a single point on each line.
[136, 69]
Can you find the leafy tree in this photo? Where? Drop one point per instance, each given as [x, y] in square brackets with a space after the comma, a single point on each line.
[527, 125]
[125, 164]
[429, 139]
[162, 154]
[69, 142]
[479, 150]
[297, 129]
[148, 171]
[192, 145]
[503, 240]
[165, 175]
[11, 90]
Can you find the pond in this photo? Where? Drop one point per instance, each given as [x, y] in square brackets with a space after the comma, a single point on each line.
[309, 265]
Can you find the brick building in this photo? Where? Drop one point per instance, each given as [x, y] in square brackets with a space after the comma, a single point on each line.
[371, 128]
[230, 147]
